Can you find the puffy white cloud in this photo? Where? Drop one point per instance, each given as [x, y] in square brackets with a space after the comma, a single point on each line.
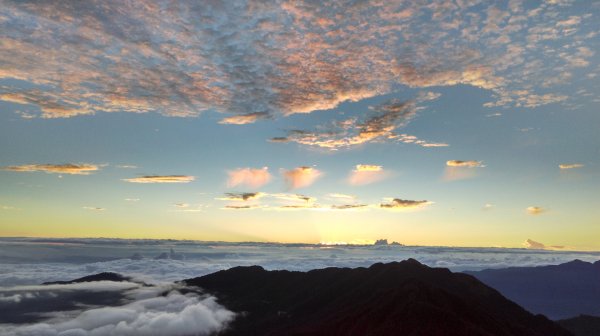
[301, 177]
[67, 168]
[251, 177]
[161, 179]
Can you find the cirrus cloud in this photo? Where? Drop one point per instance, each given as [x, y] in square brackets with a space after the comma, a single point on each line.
[466, 164]
[66, 168]
[161, 179]
[401, 204]
[570, 165]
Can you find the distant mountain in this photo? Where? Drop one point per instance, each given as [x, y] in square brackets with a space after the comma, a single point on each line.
[104, 276]
[405, 298]
[583, 325]
[558, 291]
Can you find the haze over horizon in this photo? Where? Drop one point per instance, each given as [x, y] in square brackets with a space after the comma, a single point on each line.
[450, 123]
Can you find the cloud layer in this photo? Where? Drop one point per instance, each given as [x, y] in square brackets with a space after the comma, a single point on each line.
[257, 59]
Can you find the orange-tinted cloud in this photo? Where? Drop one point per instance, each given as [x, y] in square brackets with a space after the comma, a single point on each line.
[465, 164]
[251, 177]
[67, 168]
[161, 179]
[377, 125]
[366, 174]
[570, 165]
[300, 177]
[243, 119]
[535, 210]
[158, 63]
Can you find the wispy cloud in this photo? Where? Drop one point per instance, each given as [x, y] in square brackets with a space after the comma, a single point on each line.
[366, 174]
[535, 210]
[244, 207]
[349, 206]
[377, 125]
[341, 196]
[401, 204]
[301, 177]
[94, 208]
[534, 245]
[161, 179]
[66, 168]
[181, 205]
[251, 177]
[570, 165]
[466, 164]
[243, 119]
[248, 196]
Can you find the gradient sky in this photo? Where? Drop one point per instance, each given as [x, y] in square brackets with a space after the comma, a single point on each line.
[460, 123]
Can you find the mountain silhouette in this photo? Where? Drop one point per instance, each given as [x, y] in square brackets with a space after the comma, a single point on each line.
[399, 298]
[104, 276]
[582, 325]
[557, 291]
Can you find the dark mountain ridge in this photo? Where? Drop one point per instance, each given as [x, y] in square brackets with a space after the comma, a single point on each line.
[400, 298]
[557, 291]
[104, 276]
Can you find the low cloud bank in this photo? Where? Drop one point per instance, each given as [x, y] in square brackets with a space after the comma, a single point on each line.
[149, 314]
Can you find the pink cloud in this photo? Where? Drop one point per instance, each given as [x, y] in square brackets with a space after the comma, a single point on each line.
[301, 177]
[251, 177]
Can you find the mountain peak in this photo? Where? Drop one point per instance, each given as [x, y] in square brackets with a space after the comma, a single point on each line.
[379, 300]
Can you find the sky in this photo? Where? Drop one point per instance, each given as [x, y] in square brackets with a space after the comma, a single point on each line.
[437, 123]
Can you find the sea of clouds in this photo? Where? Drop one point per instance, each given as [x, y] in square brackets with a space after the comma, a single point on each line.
[152, 304]
[33, 261]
